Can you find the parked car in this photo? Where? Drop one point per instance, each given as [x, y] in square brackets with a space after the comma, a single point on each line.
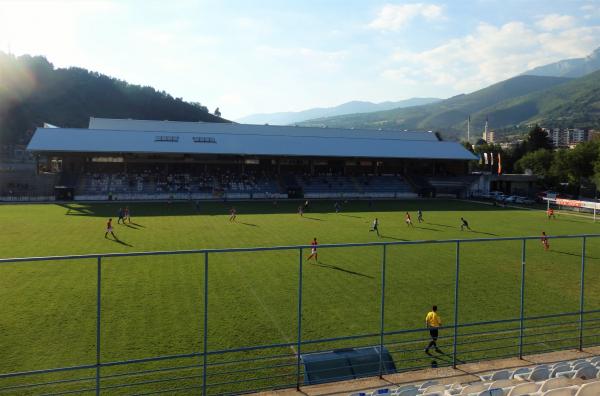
[524, 201]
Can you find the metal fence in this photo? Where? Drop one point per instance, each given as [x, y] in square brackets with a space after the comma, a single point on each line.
[267, 365]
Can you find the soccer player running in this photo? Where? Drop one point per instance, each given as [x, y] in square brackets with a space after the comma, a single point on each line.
[313, 250]
[420, 216]
[127, 215]
[232, 214]
[301, 210]
[465, 224]
[544, 240]
[433, 322]
[551, 214]
[121, 216]
[375, 226]
[408, 220]
[109, 228]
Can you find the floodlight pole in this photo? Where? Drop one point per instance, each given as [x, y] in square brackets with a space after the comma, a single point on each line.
[205, 330]
[454, 346]
[299, 340]
[382, 320]
[98, 313]
[522, 313]
[581, 299]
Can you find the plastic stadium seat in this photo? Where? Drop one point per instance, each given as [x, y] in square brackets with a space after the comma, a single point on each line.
[539, 374]
[561, 392]
[524, 389]
[358, 394]
[587, 372]
[500, 375]
[492, 392]
[520, 372]
[591, 389]
[595, 360]
[554, 383]
[434, 388]
[383, 391]
[427, 384]
[474, 388]
[503, 383]
[560, 369]
[408, 392]
[579, 365]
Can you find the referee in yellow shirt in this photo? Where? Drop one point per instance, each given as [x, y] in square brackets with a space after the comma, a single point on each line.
[433, 322]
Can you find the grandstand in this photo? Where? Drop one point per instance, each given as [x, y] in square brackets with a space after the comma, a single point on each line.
[138, 159]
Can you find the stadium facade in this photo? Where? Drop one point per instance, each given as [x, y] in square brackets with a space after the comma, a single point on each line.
[139, 159]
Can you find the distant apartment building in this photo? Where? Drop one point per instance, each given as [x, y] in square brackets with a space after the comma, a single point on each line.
[567, 137]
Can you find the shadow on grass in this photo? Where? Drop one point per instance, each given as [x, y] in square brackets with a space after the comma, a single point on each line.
[335, 267]
[312, 218]
[428, 229]
[442, 225]
[137, 225]
[120, 242]
[394, 238]
[575, 254]
[247, 224]
[484, 233]
[131, 226]
[346, 215]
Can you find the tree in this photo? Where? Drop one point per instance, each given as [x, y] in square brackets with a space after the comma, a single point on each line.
[538, 139]
[538, 162]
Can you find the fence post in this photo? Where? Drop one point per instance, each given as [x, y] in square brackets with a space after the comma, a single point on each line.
[383, 261]
[98, 318]
[299, 340]
[205, 335]
[522, 313]
[454, 346]
[581, 300]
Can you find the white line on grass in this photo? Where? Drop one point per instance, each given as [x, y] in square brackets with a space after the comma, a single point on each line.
[272, 318]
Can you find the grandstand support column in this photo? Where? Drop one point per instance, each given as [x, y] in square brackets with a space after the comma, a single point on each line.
[382, 319]
[454, 341]
[98, 312]
[581, 299]
[522, 309]
[205, 335]
[299, 340]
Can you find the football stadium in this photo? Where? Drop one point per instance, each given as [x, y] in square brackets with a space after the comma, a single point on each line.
[163, 257]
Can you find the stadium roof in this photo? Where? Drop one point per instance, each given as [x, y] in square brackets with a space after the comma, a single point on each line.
[169, 137]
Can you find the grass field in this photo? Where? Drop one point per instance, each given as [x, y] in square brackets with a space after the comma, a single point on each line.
[154, 305]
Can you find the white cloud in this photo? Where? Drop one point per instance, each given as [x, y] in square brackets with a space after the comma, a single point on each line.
[590, 11]
[490, 54]
[398, 16]
[555, 22]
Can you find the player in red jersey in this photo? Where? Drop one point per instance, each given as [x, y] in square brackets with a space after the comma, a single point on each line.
[313, 250]
[109, 228]
[232, 214]
[408, 220]
[544, 240]
[551, 214]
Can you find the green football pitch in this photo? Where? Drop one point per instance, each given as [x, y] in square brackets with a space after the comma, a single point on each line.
[153, 306]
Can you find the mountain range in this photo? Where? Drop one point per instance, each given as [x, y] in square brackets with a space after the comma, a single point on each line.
[572, 68]
[354, 107]
[552, 100]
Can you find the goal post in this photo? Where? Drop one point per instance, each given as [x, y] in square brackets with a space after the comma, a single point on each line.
[572, 204]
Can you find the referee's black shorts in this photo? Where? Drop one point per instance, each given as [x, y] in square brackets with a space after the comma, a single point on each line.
[433, 333]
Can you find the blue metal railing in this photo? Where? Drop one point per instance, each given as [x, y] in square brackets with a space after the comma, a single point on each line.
[258, 367]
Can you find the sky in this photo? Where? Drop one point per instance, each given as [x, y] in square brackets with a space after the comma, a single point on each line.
[267, 56]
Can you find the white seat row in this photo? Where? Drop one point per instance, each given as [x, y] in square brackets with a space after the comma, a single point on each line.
[569, 378]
